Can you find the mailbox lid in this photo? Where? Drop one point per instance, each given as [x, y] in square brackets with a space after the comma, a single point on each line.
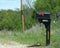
[43, 15]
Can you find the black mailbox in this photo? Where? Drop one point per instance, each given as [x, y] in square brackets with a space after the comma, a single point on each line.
[44, 17]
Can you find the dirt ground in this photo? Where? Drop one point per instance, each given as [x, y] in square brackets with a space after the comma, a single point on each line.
[14, 45]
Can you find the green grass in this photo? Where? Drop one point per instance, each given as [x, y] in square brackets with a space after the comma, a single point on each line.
[28, 37]
[34, 35]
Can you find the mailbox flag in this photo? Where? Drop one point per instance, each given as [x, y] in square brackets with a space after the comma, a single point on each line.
[42, 14]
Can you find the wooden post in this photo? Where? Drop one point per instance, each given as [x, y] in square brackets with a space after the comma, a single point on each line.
[22, 16]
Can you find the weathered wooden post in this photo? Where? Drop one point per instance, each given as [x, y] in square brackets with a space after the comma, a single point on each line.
[22, 15]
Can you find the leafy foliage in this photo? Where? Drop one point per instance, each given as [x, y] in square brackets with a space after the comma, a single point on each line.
[52, 6]
[11, 20]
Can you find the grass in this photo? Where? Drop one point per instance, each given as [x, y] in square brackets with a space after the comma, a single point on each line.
[35, 35]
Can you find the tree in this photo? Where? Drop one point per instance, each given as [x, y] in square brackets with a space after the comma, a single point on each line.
[47, 6]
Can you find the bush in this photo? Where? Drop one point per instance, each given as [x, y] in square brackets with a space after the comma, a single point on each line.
[11, 20]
